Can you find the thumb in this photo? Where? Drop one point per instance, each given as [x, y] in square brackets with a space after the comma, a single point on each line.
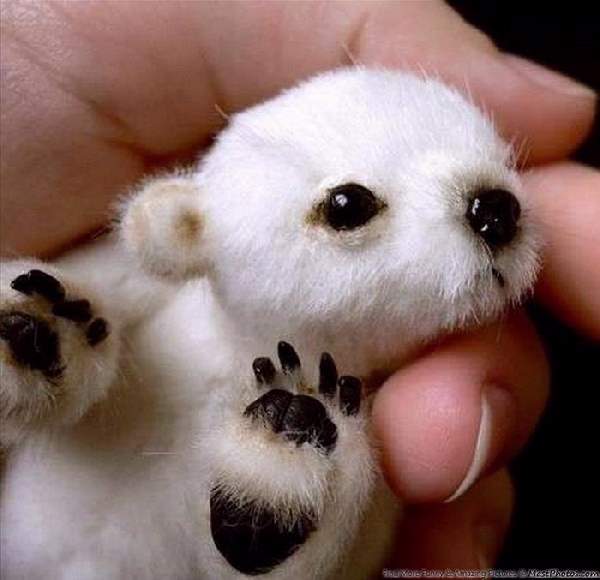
[460, 410]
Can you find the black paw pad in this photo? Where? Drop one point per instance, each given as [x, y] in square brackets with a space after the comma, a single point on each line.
[32, 342]
[350, 393]
[328, 375]
[306, 420]
[97, 331]
[299, 418]
[288, 357]
[38, 282]
[271, 408]
[75, 310]
[264, 370]
[250, 537]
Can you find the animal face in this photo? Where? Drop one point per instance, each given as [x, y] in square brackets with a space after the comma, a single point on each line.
[371, 197]
[359, 201]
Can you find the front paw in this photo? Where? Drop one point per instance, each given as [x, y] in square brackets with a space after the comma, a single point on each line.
[57, 355]
[300, 417]
[287, 476]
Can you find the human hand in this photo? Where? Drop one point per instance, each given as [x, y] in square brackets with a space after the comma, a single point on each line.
[428, 414]
[96, 94]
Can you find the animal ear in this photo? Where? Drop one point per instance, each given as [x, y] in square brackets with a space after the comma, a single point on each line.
[162, 226]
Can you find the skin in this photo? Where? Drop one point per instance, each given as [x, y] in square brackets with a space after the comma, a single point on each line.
[96, 94]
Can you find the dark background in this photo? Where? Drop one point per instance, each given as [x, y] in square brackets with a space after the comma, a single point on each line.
[557, 517]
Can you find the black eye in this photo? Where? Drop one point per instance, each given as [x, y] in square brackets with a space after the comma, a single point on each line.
[350, 206]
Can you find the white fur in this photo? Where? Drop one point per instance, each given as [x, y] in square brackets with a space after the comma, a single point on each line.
[28, 399]
[121, 489]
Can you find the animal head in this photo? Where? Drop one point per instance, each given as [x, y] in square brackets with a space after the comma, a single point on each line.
[360, 199]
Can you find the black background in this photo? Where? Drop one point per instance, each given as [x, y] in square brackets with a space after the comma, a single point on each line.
[557, 517]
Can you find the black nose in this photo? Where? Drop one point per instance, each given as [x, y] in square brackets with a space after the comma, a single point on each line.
[493, 214]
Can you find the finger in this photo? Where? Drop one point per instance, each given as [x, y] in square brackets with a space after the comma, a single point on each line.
[108, 110]
[465, 534]
[422, 36]
[566, 203]
[520, 95]
[460, 410]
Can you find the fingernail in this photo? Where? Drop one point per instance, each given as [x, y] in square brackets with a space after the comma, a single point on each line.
[487, 542]
[548, 79]
[496, 418]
